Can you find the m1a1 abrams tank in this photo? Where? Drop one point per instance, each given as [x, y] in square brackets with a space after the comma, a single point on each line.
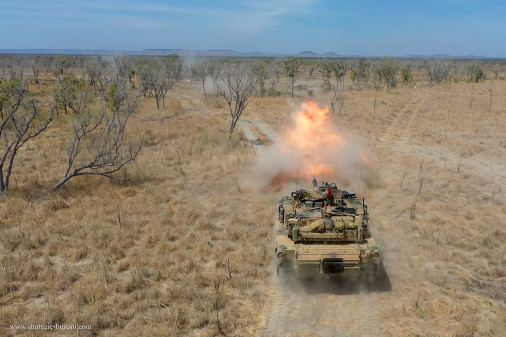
[325, 231]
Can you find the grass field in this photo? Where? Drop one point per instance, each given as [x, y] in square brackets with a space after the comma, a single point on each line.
[182, 251]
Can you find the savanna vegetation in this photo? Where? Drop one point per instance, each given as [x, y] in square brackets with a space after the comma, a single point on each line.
[127, 203]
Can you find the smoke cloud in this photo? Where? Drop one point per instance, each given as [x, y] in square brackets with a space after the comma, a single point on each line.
[312, 145]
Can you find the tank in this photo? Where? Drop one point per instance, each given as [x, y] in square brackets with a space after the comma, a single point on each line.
[325, 231]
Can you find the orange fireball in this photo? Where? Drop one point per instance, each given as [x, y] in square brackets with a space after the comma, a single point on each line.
[312, 145]
[312, 135]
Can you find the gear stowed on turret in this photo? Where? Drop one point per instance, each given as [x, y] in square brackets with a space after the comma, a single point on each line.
[325, 231]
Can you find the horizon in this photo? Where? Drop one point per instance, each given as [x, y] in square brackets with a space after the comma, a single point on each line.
[227, 53]
[368, 28]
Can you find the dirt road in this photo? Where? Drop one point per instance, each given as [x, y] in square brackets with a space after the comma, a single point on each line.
[438, 267]
[341, 306]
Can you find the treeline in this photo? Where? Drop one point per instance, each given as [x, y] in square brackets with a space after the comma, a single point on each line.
[100, 93]
[155, 74]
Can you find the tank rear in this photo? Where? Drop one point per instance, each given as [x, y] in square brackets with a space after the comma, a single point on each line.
[325, 231]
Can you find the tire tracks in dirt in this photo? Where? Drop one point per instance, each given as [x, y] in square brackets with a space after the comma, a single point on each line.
[319, 307]
[189, 101]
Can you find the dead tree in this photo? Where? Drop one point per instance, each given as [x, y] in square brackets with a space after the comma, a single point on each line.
[62, 64]
[336, 98]
[236, 86]
[121, 66]
[203, 71]
[35, 64]
[175, 66]
[99, 145]
[276, 70]
[94, 68]
[214, 70]
[437, 70]
[490, 89]
[20, 121]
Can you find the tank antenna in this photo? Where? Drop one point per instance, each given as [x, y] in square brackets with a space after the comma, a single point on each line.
[297, 180]
[360, 180]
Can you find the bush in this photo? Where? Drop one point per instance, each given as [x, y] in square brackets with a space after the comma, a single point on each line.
[271, 92]
[325, 87]
[387, 72]
[476, 73]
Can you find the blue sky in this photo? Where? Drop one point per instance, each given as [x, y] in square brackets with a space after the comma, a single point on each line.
[365, 27]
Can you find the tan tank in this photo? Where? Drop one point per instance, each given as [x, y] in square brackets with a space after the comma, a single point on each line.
[325, 231]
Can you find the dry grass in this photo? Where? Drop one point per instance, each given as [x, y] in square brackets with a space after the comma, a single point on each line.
[183, 228]
[158, 257]
[445, 257]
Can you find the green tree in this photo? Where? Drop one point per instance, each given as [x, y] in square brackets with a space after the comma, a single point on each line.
[476, 72]
[339, 69]
[407, 74]
[293, 70]
[326, 69]
[66, 92]
[387, 72]
[261, 73]
[360, 73]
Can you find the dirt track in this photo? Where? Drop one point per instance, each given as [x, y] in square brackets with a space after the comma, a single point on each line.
[409, 286]
[341, 306]
[416, 291]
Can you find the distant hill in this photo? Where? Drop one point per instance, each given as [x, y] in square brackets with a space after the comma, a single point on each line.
[213, 53]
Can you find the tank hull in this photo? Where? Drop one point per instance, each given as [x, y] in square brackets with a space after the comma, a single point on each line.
[334, 258]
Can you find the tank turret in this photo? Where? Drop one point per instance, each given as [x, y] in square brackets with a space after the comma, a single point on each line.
[325, 231]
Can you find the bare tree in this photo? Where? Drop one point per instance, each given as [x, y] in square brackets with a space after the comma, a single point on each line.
[62, 63]
[337, 98]
[121, 65]
[236, 86]
[490, 89]
[437, 70]
[194, 71]
[3, 66]
[214, 70]
[36, 65]
[99, 145]
[20, 121]
[175, 66]
[94, 68]
[293, 70]
[203, 71]
[158, 78]
[276, 69]
[15, 68]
